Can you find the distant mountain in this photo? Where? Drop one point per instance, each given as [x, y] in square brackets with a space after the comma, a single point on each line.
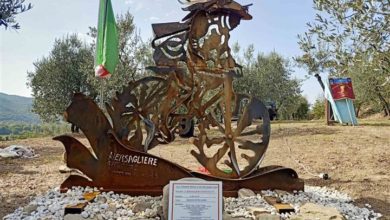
[16, 109]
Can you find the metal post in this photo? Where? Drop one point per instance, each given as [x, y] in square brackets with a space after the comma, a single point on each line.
[349, 111]
[101, 93]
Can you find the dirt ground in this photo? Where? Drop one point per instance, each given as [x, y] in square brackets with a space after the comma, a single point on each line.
[357, 160]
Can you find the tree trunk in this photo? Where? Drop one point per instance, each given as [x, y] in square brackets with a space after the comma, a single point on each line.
[385, 104]
[320, 81]
[358, 110]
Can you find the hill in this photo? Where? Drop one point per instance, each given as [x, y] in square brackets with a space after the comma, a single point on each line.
[15, 108]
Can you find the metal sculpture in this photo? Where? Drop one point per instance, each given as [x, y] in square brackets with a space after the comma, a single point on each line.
[193, 79]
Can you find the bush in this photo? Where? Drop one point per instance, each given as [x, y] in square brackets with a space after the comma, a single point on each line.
[17, 130]
[318, 111]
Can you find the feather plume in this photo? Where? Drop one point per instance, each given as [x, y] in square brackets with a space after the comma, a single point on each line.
[191, 2]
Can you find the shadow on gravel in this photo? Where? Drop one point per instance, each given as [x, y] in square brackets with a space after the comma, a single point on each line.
[9, 205]
[378, 205]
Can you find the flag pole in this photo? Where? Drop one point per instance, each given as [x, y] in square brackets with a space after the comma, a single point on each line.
[102, 78]
[101, 93]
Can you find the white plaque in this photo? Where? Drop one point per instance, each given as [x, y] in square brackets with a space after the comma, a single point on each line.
[195, 200]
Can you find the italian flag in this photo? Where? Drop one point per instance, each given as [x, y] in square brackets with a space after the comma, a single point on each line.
[107, 54]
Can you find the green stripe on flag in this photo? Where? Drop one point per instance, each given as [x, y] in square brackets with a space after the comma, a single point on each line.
[107, 53]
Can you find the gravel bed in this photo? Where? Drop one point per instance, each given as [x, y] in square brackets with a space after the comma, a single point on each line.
[119, 206]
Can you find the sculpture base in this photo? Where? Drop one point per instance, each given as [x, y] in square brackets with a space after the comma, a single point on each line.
[124, 170]
[280, 178]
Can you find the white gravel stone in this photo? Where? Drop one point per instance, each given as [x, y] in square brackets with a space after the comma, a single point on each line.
[243, 193]
[85, 214]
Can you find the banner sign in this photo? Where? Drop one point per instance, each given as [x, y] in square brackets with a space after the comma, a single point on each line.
[341, 88]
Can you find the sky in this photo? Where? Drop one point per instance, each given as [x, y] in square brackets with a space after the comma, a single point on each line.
[274, 27]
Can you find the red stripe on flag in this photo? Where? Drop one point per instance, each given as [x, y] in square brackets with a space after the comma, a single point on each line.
[101, 72]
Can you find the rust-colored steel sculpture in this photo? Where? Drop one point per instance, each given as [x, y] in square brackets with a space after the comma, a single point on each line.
[193, 79]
